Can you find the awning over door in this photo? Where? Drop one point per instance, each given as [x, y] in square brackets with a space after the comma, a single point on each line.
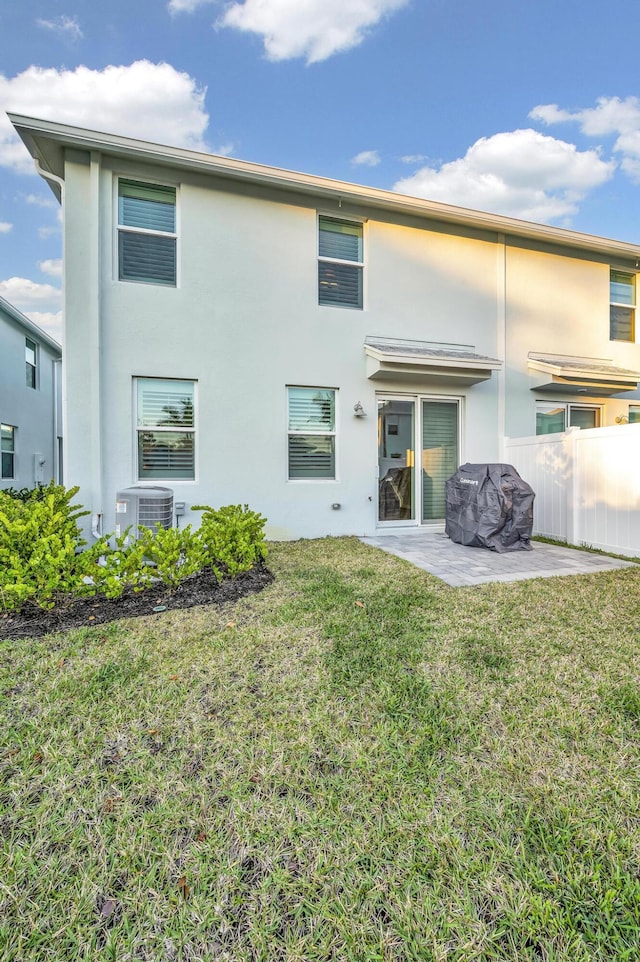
[595, 376]
[391, 359]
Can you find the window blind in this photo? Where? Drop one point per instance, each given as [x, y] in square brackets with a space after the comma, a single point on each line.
[339, 284]
[147, 257]
[165, 454]
[311, 445]
[340, 239]
[439, 454]
[311, 456]
[162, 403]
[311, 409]
[147, 206]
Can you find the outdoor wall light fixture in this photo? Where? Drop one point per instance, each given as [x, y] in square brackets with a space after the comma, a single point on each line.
[622, 419]
[358, 410]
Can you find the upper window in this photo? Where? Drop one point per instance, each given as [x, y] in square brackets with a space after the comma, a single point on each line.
[623, 306]
[312, 433]
[553, 418]
[165, 431]
[340, 262]
[7, 451]
[30, 356]
[146, 233]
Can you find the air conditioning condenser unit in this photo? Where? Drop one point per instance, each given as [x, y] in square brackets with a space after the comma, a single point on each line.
[140, 506]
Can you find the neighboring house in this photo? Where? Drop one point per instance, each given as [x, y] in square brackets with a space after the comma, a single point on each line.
[30, 406]
[326, 352]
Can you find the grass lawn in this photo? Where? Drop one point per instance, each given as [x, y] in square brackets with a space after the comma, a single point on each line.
[360, 763]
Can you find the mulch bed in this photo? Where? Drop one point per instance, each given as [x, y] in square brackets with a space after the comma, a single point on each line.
[199, 589]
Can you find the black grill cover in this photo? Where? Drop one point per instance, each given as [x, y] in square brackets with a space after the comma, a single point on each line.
[489, 506]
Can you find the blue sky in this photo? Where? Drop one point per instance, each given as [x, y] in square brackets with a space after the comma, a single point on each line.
[527, 109]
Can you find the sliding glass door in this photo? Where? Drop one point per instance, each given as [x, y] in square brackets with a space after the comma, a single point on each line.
[439, 455]
[415, 431]
[396, 460]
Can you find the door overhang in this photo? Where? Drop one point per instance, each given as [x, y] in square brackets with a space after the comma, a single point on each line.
[566, 374]
[393, 359]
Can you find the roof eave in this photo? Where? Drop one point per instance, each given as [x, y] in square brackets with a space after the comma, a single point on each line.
[30, 326]
[45, 140]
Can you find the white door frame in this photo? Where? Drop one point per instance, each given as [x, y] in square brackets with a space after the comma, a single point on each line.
[418, 398]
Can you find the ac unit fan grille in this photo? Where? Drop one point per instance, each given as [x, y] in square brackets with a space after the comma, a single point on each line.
[155, 512]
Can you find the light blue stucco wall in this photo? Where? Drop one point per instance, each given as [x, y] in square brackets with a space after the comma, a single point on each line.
[244, 323]
[34, 413]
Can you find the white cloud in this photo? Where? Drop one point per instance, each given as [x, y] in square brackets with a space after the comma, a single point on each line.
[65, 26]
[413, 158]
[50, 322]
[38, 200]
[5, 227]
[187, 6]
[315, 29]
[367, 158]
[29, 296]
[611, 117]
[46, 232]
[145, 100]
[41, 302]
[51, 267]
[521, 173]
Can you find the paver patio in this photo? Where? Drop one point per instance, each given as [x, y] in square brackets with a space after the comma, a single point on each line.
[458, 565]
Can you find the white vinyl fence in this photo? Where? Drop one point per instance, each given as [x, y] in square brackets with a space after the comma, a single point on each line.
[587, 485]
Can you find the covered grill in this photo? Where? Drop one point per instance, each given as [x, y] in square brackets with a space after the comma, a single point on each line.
[489, 506]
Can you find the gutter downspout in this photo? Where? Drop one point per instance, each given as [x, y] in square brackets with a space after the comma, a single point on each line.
[501, 341]
[94, 312]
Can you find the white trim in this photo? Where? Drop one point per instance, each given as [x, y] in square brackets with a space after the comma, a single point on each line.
[136, 428]
[418, 399]
[334, 434]
[360, 265]
[118, 228]
[48, 139]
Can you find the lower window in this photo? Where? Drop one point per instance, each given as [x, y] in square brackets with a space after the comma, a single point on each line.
[7, 451]
[553, 418]
[165, 431]
[312, 433]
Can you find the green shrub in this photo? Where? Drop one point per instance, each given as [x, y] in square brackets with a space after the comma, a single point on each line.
[233, 537]
[41, 558]
[111, 569]
[26, 494]
[39, 542]
[175, 552]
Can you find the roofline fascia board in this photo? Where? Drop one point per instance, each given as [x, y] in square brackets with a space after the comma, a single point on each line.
[32, 130]
[29, 325]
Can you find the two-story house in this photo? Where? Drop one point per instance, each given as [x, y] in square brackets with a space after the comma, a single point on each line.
[324, 351]
[30, 402]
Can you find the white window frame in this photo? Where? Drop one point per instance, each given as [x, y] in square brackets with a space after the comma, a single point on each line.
[27, 342]
[360, 265]
[12, 452]
[137, 429]
[123, 228]
[628, 307]
[568, 406]
[333, 434]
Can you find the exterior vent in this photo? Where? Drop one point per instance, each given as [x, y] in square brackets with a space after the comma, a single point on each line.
[143, 507]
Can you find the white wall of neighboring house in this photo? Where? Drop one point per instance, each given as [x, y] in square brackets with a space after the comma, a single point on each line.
[244, 322]
[33, 412]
